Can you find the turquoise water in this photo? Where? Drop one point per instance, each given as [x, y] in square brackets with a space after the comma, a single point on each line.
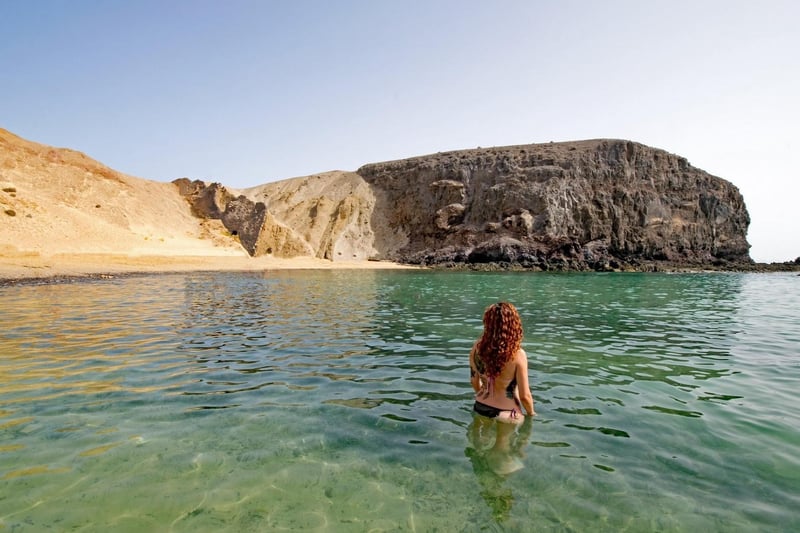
[340, 401]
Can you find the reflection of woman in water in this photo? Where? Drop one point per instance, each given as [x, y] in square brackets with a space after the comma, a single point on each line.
[499, 367]
[496, 450]
[500, 446]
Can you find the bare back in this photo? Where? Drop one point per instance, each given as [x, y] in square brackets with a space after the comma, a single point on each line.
[503, 392]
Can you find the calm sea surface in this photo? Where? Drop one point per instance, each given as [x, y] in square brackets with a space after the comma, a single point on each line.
[340, 401]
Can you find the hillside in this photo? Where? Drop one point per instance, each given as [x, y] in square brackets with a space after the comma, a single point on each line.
[600, 204]
[55, 201]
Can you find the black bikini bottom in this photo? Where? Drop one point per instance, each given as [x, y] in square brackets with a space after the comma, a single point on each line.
[488, 410]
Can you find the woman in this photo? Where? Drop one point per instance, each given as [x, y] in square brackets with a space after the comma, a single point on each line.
[499, 367]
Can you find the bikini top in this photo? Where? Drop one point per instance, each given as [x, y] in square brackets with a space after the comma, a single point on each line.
[510, 388]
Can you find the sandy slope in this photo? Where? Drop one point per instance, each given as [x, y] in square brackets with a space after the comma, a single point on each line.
[61, 212]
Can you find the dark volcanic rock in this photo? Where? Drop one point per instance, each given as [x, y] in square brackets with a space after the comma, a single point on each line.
[207, 201]
[245, 219]
[600, 204]
[241, 216]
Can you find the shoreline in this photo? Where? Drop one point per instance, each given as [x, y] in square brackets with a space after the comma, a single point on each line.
[33, 267]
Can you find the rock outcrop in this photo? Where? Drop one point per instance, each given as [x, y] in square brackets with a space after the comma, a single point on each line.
[330, 212]
[206, 201]
[599, 204]
[325, 215]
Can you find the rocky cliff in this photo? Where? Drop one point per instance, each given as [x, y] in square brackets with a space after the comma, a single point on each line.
[599, 204]
[594, 204]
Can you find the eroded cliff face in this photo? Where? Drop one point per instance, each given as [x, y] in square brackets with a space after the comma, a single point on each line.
[326, 215]
[579, 205]
[599, 204]
[329, 213]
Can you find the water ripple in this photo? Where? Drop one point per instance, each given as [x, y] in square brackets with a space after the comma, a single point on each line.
[656, 395]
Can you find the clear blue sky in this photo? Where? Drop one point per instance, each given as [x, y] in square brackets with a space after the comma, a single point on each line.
[250, 91]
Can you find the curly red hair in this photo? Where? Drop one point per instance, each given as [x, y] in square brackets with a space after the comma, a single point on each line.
[501, 339]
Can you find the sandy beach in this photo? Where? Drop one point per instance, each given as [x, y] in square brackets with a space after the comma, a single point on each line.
[30, 266]
[63, 214]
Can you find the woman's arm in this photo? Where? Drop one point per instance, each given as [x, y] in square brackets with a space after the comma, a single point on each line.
[524, 388]
[474, 376]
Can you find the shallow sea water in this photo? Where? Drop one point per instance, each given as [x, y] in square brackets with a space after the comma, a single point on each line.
[340, 401]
